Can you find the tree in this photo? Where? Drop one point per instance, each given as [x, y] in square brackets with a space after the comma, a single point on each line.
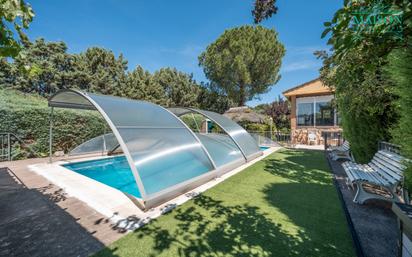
[107, 73]
[140, 85]
[212, 99]
[41, 67]
[6, 74]
[356, 70]
[244, 62]
[279, 111]
[17, 15]
[179, 88]
[264, 9]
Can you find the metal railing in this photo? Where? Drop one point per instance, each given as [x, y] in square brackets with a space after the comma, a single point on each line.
[5, 146]
[270, 137]
[7, 142]
[332, 138]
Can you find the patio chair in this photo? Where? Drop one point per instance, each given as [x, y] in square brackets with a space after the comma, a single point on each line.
[312, 138]
[341, 152]
[384, 172]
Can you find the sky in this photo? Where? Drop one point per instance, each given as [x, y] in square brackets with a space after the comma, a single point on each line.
[173, 33]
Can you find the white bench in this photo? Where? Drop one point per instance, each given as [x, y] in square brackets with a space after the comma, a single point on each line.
[341, 152]
[385, 171]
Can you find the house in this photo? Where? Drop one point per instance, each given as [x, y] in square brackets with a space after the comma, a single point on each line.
[312, 113]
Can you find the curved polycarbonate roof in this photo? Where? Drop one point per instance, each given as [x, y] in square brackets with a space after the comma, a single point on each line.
[245, 142]
[102, 143]
[165, 156]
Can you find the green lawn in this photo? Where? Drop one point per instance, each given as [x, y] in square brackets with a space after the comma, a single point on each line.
[285, 205]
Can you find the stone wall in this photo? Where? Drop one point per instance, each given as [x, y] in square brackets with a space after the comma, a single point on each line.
[301, 136]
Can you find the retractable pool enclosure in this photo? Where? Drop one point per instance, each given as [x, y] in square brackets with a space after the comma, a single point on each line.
[166, 157]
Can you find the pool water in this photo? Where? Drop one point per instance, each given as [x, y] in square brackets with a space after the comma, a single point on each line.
[115, 172]
[263, 148]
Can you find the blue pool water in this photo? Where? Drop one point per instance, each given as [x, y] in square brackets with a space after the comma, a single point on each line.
[115, 172]
[263, 148]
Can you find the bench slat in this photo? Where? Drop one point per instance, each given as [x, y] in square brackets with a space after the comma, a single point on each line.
[387, 167]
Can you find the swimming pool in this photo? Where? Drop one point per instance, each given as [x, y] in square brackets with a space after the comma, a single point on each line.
[115, 172]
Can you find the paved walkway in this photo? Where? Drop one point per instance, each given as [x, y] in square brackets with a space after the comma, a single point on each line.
[374, 222]
[39, 219]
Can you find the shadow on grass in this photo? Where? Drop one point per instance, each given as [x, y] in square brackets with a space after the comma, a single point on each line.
[210, 227]
[301, 166]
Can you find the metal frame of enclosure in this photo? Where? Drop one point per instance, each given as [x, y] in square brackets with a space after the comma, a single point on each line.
[149, 134]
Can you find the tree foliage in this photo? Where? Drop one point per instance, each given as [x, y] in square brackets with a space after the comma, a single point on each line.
[400, 70]
[356, 70]
[211, 98]
[45, 67]
[263, 10]
[360, 23]
[15, 15]
[179, 88]
[105, 72]
[244, 62]
[279, 111]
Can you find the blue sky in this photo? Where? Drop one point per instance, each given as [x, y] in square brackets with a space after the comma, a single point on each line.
[155, 33]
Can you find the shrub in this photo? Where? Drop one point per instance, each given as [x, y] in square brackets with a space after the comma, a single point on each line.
[400, 69]
[27, 116]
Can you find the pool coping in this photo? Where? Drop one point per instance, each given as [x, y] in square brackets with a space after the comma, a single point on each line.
[114, 204]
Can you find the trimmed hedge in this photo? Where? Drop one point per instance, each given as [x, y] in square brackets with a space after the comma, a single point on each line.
[400, 69]
[27, 116]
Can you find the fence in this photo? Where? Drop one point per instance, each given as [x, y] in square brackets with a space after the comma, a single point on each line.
[5, 146]
[332, 138]
[269, 138]
[8, 141]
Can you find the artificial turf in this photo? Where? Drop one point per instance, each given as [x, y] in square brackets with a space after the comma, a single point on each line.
[284, 205]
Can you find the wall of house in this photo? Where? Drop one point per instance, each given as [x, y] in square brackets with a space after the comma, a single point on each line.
[312, 134]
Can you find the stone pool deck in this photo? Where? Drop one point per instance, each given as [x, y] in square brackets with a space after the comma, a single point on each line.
[38, 218]
[374, 222]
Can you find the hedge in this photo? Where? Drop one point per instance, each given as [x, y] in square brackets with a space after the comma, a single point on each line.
[27, 116]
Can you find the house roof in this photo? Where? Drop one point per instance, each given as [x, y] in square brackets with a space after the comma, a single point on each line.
[313, 87]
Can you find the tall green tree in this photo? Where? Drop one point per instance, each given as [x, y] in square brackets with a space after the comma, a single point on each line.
[212, 99]
[15, 15]
[244, 62]
[140, 85]
[107, 73]
[263, 10]
[180, 89]
[42, 67]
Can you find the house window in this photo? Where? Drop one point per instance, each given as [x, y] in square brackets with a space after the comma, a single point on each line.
[324, 114]
[316, 111]
[305, 114]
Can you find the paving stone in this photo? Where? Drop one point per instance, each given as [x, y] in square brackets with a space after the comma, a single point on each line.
[39, 220]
